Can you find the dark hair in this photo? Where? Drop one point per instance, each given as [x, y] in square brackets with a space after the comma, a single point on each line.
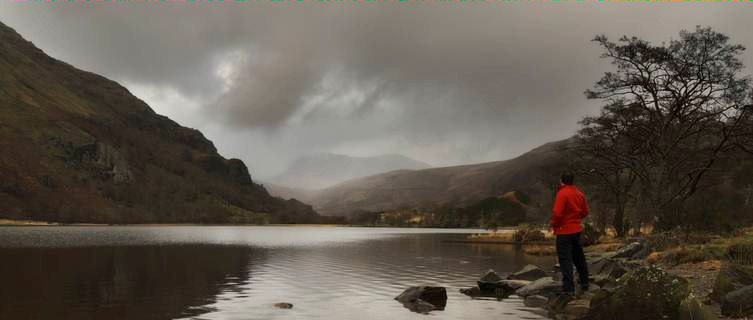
[567, 178]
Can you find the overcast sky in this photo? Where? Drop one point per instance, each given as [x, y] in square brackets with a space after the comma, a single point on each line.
[445, 83]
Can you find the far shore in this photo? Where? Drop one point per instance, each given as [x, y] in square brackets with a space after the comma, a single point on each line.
[36, 223]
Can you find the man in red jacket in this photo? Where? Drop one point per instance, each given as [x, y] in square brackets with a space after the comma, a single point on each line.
[569, 209]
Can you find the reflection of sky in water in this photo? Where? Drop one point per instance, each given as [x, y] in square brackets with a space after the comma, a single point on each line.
[327, 273]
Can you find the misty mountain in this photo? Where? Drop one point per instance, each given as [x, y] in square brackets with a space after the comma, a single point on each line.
[325, 170]
[78, 147]
[454, 186]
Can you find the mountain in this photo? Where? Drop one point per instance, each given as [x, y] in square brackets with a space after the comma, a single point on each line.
[78, 147]
[453, 186]
[325, 170]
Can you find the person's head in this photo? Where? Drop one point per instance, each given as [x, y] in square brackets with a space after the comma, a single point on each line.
[567, 178]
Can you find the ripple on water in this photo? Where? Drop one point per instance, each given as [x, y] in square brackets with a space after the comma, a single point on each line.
[241, 272]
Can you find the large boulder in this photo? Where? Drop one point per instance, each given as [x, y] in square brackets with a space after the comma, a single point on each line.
[544, 287]
[646, 293]
[423, 299]
[529, 273]
[730, 278]
[489, 282]
[606, 267]
[738, 303]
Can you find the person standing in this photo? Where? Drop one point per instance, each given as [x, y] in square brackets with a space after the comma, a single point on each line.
[568, 211]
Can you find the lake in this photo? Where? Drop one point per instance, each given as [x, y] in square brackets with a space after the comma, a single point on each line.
[228, 272]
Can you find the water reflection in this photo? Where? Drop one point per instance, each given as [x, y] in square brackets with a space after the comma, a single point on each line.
[123, 282]
[241, 272]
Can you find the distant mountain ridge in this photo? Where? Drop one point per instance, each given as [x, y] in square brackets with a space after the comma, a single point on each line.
[455, 186]
[324, 170]
[78, 147]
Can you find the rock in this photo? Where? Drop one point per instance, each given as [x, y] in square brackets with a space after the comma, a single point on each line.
[535, 301]
[545, 286]
[646, 293]
[529, 272]
[284, 305]
[608, 268]
[420, 306]
[731, 277]
[738, 303]
[634, 250]
[471, 292]
[513, 285]
[416, 298]
[692, 309]
[576, 309]
[489, 282]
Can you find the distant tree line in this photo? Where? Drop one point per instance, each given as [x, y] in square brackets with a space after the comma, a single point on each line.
[489, 213]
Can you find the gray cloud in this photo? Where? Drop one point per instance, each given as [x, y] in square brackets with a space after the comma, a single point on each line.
[446, 83]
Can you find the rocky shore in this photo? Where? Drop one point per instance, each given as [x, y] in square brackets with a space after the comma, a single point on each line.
[625, 283]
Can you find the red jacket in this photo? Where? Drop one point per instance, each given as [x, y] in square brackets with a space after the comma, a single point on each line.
[569, 209]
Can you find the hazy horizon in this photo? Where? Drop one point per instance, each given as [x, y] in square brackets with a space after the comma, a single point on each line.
[442, 83]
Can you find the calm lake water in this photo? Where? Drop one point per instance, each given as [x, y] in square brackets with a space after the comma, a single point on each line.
[186, 272]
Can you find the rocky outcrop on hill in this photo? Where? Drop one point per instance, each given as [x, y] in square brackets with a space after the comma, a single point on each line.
[78, 147]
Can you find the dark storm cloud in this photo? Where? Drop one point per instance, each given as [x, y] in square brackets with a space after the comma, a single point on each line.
[443, 82]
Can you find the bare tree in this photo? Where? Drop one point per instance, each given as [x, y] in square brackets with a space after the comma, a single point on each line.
[673, 112]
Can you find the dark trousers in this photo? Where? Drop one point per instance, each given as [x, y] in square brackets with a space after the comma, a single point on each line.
[570, 252]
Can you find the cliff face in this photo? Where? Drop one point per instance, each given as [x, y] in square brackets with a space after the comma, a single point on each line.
[77, 147]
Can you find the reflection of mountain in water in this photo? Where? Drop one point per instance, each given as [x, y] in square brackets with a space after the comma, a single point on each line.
[136, 282]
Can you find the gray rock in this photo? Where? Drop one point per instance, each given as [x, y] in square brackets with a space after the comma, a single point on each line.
[529, 272]
[472, 292]
[738, 303]
[284, 305]
[489, 282]
[608, 267]
[634, 250]
[420, 306]
[545, 286]
[416, 298]
[513, 285]
[730, 278]
[535, 301]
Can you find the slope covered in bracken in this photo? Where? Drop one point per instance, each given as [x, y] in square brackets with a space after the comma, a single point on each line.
[446, 186]
[77, 147]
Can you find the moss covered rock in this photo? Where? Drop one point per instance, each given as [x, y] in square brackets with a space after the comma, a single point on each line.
[730, 278]
[646, 293]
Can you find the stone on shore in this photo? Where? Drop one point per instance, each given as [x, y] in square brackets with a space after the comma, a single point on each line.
[529, 273]
[738, 303]
[544, 286]
[513, 285]
[731, 277]
[646, 293]
[489, 282]
[420, 298]
[634, 250]
[574, 310]
[535, 301]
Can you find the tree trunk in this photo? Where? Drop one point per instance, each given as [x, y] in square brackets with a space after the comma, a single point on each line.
[619, 221]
